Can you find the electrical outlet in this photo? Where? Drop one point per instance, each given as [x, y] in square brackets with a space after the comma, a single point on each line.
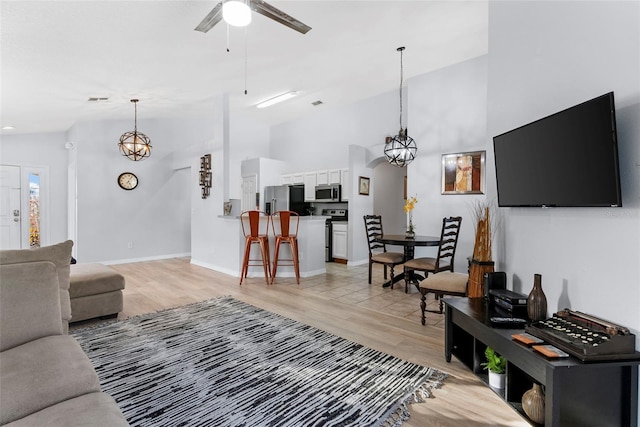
[130, 245]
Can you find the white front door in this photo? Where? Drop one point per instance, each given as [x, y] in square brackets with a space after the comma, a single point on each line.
[10, 209]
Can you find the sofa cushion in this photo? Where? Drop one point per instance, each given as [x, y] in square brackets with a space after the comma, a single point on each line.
[60, 255]
[41, 373]
[29, 303]
[89, 410]
[92, 279]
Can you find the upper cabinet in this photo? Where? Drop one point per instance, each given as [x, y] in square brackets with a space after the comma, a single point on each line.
[286, 179]
[324, 177]
[310, 182]
[345, 181]
[292, 178]
[335, 176]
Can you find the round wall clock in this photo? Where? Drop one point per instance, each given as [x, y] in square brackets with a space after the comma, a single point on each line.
[127, 181]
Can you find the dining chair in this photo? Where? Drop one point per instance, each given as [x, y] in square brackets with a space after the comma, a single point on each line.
[378, 251]
[285, 226]
[449, 284]
[255, 227]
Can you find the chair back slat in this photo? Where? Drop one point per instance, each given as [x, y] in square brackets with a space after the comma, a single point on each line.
[373, 228]
[448, 243]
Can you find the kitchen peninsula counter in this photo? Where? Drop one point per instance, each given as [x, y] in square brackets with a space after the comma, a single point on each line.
[310, 248]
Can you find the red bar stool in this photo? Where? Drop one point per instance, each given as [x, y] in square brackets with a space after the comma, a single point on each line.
[285, 229]
[255, 227]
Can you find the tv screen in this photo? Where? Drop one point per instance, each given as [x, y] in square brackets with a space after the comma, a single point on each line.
[568, 159]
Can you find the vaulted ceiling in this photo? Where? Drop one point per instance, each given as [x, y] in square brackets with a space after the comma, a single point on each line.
[55, 55]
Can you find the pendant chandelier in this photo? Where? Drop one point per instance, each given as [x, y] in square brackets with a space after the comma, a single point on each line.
[135, 145]
[401, 149]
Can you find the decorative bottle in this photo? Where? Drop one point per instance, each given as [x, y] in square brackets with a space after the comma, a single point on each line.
[533, 403]
[537, 300]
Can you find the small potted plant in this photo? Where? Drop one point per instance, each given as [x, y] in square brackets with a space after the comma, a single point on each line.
[496, 365]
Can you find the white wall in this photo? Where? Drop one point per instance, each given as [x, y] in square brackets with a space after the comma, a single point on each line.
[321, 140]
[388, 197]
[150, 221]
[248, 140]
[588, 257]
[447, 114]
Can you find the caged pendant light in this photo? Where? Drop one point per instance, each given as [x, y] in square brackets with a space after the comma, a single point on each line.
[135, 145]
[401, 149]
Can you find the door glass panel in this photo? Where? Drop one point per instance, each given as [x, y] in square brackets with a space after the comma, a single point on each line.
[34, 210]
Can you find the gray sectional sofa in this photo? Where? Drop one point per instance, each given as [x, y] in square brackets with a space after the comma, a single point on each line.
[45, 377]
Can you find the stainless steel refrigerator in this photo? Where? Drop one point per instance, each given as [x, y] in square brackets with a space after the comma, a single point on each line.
[285, 197]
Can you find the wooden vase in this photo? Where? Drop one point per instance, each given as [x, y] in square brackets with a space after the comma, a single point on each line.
[537, 300]
[533, 403]
[481, 260]
[476, 277]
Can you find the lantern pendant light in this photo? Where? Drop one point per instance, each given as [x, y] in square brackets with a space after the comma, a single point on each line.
[135, 145]
[401, 149]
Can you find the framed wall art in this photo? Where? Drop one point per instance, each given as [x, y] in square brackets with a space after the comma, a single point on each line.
[363, 185]
[463, 173]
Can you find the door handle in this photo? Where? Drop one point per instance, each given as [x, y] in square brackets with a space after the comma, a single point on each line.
[16, 219]
[16, 212]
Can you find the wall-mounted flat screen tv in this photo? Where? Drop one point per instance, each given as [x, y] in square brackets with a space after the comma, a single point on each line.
[568, 159]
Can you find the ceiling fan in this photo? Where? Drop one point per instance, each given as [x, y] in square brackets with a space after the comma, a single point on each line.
[258, 6]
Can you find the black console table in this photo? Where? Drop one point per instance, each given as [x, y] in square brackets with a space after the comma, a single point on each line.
[576, 394]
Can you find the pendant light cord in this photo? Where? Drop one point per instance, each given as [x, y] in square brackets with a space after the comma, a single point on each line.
[135, 115]
[246, 56]
[400, 49]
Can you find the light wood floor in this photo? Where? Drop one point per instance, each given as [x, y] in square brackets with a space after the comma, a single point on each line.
[343, 303]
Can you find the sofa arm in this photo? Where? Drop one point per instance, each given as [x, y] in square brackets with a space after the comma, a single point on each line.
[29, 303]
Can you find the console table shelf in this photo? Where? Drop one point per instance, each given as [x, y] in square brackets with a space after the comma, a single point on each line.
[576, 394]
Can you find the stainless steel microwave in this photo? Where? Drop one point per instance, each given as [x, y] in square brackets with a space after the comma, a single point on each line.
[328, 193]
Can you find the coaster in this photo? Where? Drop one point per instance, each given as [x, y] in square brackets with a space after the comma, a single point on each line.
[527, 339]
[550, 351]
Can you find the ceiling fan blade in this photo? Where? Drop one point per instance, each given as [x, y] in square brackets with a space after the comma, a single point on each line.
[211, 19]
[265, 9]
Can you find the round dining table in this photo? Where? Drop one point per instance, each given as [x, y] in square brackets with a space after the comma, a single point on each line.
[409, 244]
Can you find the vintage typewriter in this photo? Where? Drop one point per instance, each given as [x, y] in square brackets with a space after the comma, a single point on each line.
[586, 337]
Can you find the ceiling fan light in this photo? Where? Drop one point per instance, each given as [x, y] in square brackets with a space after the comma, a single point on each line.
[236, 13]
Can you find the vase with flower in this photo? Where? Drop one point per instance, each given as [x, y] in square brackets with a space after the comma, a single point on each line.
[409, 204]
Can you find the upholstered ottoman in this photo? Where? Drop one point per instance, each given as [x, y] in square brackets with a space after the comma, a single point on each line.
[95, 290]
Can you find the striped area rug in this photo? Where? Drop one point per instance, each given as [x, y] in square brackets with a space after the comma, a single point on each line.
[223, 362]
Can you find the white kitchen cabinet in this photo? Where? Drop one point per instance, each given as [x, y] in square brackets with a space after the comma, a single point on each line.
[292, 178]
[322, 177]
[339, 239]
[345, 180]
[335, 177]
[286, 179]
[310, 182]
[297, 178]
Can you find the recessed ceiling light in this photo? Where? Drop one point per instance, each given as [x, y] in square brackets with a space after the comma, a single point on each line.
[8, 127]
[277, 99]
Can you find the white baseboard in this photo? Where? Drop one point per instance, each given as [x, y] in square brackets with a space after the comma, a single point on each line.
[150, 258]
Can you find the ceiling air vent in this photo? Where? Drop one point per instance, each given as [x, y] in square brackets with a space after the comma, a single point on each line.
[316, 103]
